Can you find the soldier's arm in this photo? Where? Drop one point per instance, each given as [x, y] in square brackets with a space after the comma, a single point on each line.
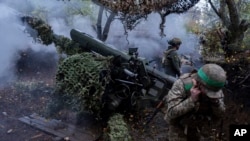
[175, 61]
[177, 102]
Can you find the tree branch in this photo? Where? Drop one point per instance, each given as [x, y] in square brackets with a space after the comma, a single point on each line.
[214, 8]
[234, 14]
[163, 20]
[107, 26]
[221, 13]
[99, 23]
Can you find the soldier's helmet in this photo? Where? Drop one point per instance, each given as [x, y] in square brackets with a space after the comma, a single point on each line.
[175, 41]
[214, 78]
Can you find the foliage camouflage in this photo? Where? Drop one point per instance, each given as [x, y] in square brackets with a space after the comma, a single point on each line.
[43, 30]
[77, 81]
[66, 46]
[117, 129]
[131, 7]
[46, 36]
[131, 12]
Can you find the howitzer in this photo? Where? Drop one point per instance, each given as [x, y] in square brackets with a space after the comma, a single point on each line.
[133, 82]
[143, 85]
[162, 82]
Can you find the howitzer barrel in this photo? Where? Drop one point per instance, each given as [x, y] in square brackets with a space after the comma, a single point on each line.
[96, 45]
[100, 47]
[160, 75]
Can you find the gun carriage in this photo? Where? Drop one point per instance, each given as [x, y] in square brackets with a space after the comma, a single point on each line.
[131, 84]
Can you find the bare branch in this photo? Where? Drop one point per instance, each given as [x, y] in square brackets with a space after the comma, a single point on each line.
[107, 26]
[214, 8]
[99, 23]
[163, 20]
[221, 13]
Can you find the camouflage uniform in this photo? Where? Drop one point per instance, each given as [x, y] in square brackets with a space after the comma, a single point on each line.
[171, 61]
[188, 119]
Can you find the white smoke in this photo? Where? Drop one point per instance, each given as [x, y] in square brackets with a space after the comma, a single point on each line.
[12, 39]
[145, 36]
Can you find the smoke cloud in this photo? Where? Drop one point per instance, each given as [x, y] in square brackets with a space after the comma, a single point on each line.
[145, 36]
[12, 39]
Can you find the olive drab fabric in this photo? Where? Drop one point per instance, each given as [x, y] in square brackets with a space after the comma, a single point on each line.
[188, 119]
[171, 62]
[175, 41]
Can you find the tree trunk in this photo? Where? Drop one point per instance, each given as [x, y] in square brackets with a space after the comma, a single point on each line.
[236, 27]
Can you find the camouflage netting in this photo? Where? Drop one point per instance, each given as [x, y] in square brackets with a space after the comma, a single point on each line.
[77, 81]
[67, 46]
[43, 30]
[147, 6]
[131, 12]
[117, 129]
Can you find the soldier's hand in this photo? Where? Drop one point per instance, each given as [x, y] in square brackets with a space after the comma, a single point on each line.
[195, 91]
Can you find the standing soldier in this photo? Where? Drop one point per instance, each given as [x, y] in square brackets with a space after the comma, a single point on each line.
[171, 61]
[194, 102]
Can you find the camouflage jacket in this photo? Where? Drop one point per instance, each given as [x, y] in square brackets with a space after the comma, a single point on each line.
[171, 59]
[182, 109]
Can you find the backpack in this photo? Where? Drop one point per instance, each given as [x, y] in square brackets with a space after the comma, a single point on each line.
[166, 59]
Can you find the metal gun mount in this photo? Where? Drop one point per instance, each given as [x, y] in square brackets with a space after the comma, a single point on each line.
[143, 78]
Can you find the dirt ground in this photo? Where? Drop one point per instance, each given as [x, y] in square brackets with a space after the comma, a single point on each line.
[28, 95]
[16, 101]
[32, 90]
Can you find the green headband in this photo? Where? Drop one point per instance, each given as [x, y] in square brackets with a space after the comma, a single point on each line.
[209, 81]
